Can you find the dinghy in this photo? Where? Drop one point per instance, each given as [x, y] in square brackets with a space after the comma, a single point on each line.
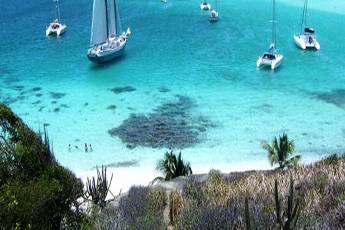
[307, 38]
[271, 58]
[205, 5]
[214, 15]
[108, 41]
[56, 28]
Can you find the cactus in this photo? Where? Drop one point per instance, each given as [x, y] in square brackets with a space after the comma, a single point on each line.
[287, 220]
[247, 214]
[98, 188]
[175, 206]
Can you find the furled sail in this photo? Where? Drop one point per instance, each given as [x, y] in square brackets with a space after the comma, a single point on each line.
[112, 22]
[99, 33]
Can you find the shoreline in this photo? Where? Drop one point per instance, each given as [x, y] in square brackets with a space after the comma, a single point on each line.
[126, 177]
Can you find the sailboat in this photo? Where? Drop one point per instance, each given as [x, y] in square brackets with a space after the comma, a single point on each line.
[205, 5]
[56, 27]
[271, 58]
[307, 38]
[108, 41]
[214, 15]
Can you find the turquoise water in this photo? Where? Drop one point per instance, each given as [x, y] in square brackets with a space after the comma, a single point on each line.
[229, 104]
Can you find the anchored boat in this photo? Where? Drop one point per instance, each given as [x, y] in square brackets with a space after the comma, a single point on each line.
[205, 5]
[271, 58]
[307, 38]
[108, 41]
[56, 27]
[214, 15]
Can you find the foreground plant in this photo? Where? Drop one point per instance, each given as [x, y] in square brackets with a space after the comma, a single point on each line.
[98, 188]
[280, 150]
[173, 166]
[287, 219]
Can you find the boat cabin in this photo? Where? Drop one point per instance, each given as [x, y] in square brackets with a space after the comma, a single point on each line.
[269, 56]
[309, 31]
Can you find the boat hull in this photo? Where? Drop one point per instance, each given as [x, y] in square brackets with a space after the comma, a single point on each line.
[301, 42]
[109, 56]
[273, 64]
[56, 32]
[205, 7]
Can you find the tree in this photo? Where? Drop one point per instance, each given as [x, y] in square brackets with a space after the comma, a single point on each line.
[172, 166]
[280, 150]
[35, 191]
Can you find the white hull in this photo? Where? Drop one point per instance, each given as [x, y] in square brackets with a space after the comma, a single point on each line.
[52, 29]
[214, 16]
[306, 41]
[109, 50]
[205, 6]
[272, 63]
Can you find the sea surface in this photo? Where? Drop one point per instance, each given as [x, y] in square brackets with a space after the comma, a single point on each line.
[183, 82]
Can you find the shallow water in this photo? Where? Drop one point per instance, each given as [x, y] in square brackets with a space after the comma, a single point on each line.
[229, 106]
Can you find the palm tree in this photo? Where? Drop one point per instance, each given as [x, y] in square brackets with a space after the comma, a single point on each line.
[172, 166]
[279, 151]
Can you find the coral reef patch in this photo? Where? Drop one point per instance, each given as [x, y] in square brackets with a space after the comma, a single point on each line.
[171, 125]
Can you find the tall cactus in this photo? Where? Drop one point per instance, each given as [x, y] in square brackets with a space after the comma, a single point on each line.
[287, 219]
[98, 188]
[247, 214]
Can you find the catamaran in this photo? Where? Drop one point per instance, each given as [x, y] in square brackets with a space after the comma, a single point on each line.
[205, 5]
[271, 58]
[214, 15]
[56, 27]
[307, 38]
[108, 41]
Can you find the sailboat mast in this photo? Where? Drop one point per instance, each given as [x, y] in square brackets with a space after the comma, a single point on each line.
[106, 17]
[115, 16]
[306, 12]
[274, 24]
[58, 10]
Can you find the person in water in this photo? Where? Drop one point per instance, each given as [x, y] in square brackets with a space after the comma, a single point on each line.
[69, 147]
[90, 148]
[86, 149]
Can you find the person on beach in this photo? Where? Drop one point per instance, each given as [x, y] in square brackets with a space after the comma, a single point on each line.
[86, 149]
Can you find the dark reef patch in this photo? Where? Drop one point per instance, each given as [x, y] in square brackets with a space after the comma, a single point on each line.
[121, 164]
[335, 97]
[111, 107]
[36, 102]
[36, 89]
[18, 87]
[56, 95]
[126, 89]
[86, 104]
[56, 110]
[171, 125]
[54, 102]
[41, 109]
[38, 95]
[163, 89]
[266, 108]
[64, 106]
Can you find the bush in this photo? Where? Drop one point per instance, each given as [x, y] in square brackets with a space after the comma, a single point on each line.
[35, 191]
[142, 208]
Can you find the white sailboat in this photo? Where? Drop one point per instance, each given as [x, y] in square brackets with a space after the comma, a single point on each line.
[108, 41]
[271, 58]
[307, 38]
[56, 27]
[205, 5]
[214, 15]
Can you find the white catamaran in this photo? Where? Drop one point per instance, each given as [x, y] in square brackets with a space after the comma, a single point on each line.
[307, 38]
[108, 41]
[214, 15]
[56, 27]
[271, 58]
[205, 5]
